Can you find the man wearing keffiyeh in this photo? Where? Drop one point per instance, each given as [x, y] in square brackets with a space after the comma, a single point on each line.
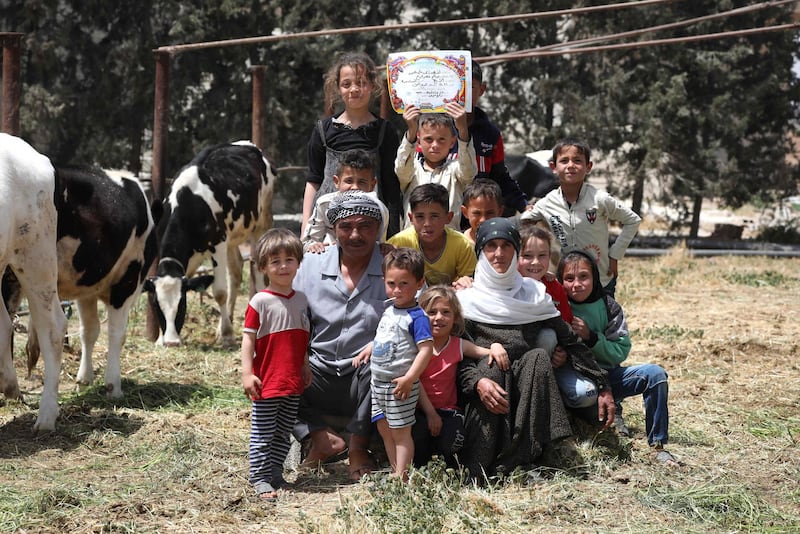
[345, 291]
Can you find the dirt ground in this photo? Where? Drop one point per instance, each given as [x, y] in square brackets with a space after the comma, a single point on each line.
[172, 455]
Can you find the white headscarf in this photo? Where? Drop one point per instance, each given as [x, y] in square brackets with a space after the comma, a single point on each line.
[505, 298]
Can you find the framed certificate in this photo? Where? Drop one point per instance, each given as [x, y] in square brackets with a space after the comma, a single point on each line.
[429, 79]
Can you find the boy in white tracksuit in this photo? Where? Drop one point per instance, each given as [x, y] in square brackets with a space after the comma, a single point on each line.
[578, 214]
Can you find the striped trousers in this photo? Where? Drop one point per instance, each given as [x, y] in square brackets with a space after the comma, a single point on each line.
[271, 422]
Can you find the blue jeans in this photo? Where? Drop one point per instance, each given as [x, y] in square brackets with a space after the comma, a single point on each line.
[546, 339]
[650, 381]
[577, 391]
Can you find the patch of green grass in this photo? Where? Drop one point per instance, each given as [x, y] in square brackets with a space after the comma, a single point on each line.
[668, 333]
[762, 279]
[436, 499]
[769, 424]
[724, 504]
[50, 507]
[12, 504]
[179, 458]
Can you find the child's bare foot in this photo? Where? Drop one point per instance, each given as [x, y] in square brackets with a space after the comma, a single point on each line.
[266, 492]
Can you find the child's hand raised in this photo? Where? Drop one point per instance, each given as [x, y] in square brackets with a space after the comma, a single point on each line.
[459, 115]
[411, 116]
[498, 354]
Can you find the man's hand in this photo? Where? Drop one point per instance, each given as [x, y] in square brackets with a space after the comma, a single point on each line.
[606, 408]
[362, 358]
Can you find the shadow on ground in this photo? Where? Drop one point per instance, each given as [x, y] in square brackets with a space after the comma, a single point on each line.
[89, 412]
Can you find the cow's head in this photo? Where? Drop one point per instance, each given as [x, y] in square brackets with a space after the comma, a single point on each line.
[166, 292]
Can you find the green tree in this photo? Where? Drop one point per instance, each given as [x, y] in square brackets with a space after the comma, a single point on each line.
[706, 119]
[85, 91]
[88, 73]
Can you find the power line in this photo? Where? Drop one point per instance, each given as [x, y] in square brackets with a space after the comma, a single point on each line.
[500, 58]
[174, 49]
[643, 44]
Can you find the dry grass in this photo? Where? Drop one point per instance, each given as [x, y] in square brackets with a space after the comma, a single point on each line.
[172, 455]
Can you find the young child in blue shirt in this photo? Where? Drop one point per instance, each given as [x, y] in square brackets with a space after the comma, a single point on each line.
[401, 351]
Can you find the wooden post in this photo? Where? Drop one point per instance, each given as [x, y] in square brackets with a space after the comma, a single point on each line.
[11, 85]
[160, 121]
[257, 136]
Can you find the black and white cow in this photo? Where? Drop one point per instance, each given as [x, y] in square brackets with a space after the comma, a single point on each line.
[221, 199]
[532, 173]
[28, 247]
[106, 244]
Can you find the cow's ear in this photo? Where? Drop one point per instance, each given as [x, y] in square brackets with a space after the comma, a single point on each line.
[148, 286]
[199, 283]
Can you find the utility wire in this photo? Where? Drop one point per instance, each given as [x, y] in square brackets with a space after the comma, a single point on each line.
[501, 58]
[174, 49]
[643, 44]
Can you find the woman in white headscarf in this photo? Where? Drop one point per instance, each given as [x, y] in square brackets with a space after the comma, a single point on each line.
[511, 416]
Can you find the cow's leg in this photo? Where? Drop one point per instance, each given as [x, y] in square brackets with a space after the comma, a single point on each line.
[39, 286]
[89, 332]
[32, 349]
[117, 325]
[8, 375]
[220, 291]
[37, 271]
[235, 269]
[258, 280]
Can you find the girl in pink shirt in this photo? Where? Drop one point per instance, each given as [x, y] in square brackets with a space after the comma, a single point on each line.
[440, 421]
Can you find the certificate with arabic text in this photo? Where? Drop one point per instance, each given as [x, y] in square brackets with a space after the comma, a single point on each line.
[430, 79]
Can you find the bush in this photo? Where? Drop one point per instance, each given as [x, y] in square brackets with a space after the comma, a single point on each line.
[787, 233]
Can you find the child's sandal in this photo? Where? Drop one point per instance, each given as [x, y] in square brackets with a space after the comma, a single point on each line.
[266, 492]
